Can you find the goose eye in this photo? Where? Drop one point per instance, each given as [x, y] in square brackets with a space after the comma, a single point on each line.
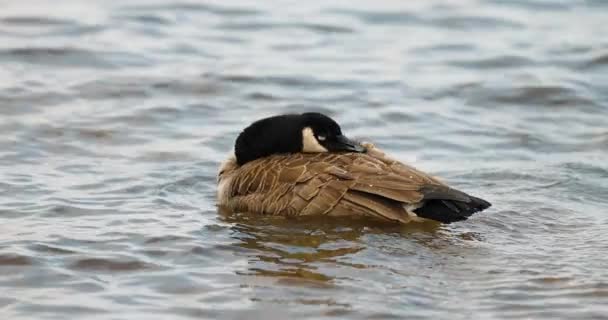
[321, 138]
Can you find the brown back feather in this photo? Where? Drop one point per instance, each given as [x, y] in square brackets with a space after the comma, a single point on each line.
[328, 183]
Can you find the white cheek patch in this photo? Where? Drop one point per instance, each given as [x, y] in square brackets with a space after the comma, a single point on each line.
[310, 143]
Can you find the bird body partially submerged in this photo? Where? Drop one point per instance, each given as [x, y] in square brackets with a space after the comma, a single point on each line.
[337, 183]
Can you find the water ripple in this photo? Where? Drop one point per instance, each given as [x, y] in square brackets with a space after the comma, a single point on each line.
[116, 115]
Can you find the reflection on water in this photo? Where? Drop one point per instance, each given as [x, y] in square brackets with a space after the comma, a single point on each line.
[296, 249]
[114, 117]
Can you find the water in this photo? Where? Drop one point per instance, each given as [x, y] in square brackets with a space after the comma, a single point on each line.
[115, 116]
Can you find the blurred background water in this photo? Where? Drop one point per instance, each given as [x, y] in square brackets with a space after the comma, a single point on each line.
[114, 116]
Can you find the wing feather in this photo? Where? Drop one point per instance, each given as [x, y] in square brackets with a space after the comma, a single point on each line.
[328, 197]
[327, 183]
[374, 206]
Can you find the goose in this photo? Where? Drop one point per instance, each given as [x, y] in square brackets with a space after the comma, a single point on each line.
[302, 165]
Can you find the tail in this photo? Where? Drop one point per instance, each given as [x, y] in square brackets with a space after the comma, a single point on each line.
[449, 205]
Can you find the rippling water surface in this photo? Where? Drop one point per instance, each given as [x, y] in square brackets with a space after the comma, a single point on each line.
[115, 115]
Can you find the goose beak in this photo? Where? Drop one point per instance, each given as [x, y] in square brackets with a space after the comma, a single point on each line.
[343, 143]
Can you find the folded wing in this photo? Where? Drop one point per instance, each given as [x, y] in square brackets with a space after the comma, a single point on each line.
[368, 184]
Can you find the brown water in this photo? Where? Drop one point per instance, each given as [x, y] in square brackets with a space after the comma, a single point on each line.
[115, 115]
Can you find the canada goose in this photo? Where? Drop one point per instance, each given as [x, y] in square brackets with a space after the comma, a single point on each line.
[301, 164]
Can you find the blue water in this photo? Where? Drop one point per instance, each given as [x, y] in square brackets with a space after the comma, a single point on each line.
[115, 115]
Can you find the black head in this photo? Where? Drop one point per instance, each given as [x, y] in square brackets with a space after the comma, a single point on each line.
[292, 133]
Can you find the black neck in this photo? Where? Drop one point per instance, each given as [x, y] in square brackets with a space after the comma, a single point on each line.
[275, 135]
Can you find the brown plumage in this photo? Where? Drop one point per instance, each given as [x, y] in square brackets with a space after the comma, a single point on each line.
[340, 184]
[302, 165]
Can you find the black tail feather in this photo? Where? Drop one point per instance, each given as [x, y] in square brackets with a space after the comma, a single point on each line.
[448, 211]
